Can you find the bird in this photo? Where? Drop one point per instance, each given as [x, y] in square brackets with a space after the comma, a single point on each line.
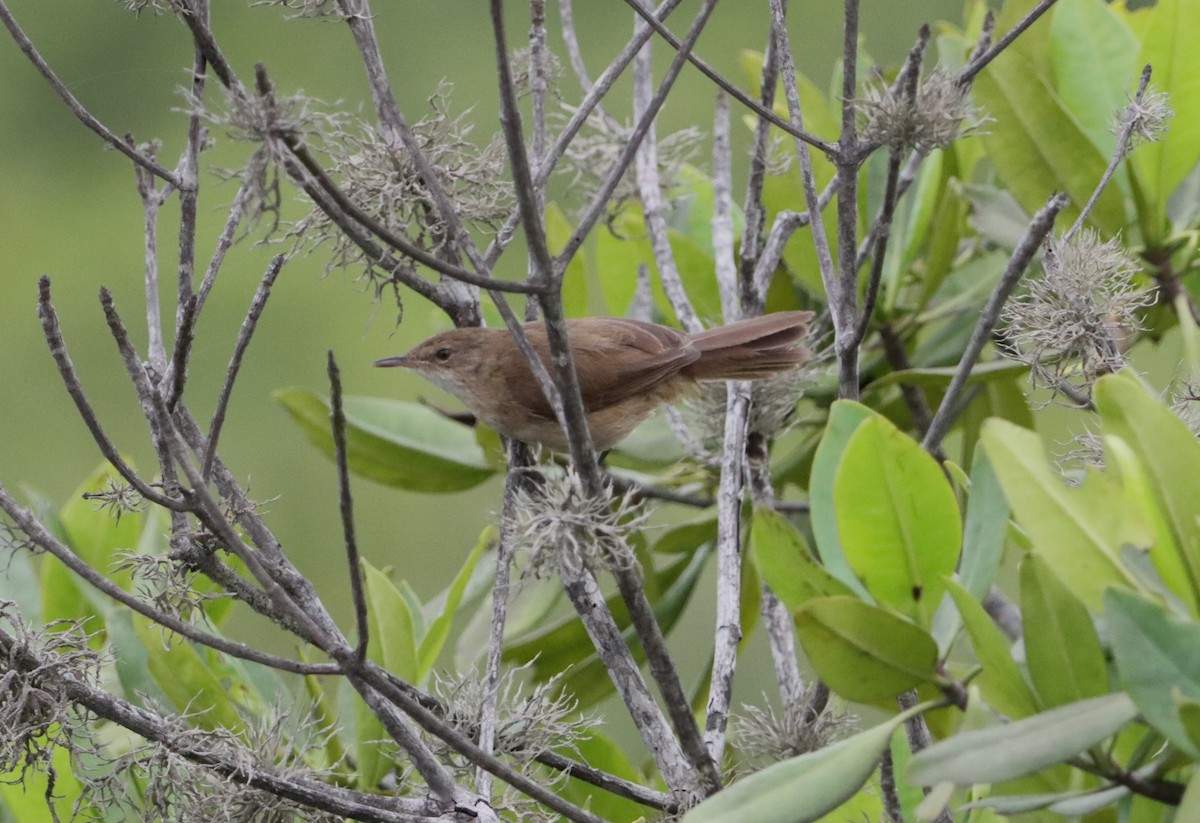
[626, 369]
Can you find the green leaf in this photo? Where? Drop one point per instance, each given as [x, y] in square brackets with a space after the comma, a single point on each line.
[439, 630]
[844, 419]
[801, 789]
[1062, 650]
[940, 376]
[1001, 683]
[187, 678]
[394, 443]
[1077, 531]
[786, 563]
[574, 283]
[1014, 749]
[1094, 59]
[1169, 454]
[863, 652]
[392, 641]
[1037, 148]
[1156, 658]
[1169, 46]
[897, 518]
[392, 644]
[1189, 807]
[984, 529]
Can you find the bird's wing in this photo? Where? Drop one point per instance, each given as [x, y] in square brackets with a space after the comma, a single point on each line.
[618, 358]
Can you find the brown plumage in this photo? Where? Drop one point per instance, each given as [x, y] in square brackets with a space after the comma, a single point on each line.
[626, 369]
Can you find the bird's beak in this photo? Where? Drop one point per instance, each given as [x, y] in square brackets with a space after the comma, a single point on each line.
[391, 362]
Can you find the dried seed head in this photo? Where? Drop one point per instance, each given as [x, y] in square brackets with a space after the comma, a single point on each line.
[382, 178]
[37, 714]
[1086, 452]
[153, 6]
[1147, 118]
[594, 152]
[564, 528]
[939, 114]
[1074, 322]
[117, 498]
[529, 720]
[766, 736]
[329, 9]
[522, 71]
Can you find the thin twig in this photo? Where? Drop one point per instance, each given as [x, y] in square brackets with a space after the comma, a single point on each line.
[177, 371]
[337, 419]
[753, 299]
[777, 618]
[310, 793]
[650, 190]
[257, 304]
[152, 200]
[722, 219]
[29, 524]
[66, 369]
[732, 90]
[428, 720]
[1035, 233]
[572, 418]
[396, 241]
[848, 160]
[728, 633]
[82, 114]
[1123, 140]
[979, 61]
[600, 199]
[566, 15]
[785, 225]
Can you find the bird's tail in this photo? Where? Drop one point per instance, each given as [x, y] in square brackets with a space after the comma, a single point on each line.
[751, 349]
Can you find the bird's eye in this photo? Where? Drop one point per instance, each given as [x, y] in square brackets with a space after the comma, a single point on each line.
[442, 354]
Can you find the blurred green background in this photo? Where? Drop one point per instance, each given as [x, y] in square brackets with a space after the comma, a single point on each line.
[69, 209]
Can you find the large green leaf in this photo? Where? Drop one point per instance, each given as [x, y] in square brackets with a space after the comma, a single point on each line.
[1169, 455]
[804, 788]
[786, 563]
[1079, 532]
[984, 528]
[1037, 148]
[439, 629]
[863, 652]
[187, 677]
[1000, 683]
[1169, 46]
[1157, 660]
[394, 443]
[1062, 650]
[897, 519]
[1014, 749]
[844, 419]
[1094, 56]
[574, 282]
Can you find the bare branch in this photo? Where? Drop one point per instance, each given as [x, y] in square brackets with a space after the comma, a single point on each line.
[1038, 228]
[728, 633]
[1124, 138]
[732, 90]
[600, 200]
[650, 189]
[722, 219]
[29, 524]
[337, 418]
[123, 146]
[235, 362]
[66, 369]
[980, 61]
